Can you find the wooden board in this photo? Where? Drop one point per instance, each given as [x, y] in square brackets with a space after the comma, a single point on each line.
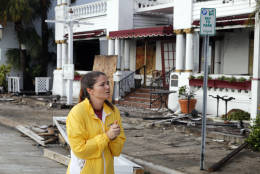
[56, 156]
[107, 65]
[31, 134]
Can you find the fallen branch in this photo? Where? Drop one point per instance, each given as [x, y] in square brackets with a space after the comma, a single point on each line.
[219, 164]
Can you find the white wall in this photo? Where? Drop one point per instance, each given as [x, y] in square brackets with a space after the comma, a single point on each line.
[236, 52]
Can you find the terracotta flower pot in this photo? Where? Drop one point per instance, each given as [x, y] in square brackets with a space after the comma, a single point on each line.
[184, 105]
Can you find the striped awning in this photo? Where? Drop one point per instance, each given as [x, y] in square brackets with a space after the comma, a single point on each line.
[142, 32]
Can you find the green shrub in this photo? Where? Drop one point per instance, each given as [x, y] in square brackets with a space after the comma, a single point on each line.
[191, 77]
[241, 79]
[238, 115]
[4, 70]
[254, 137]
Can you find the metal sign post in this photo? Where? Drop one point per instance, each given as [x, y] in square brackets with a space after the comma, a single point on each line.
[69, 68]
[207, 28]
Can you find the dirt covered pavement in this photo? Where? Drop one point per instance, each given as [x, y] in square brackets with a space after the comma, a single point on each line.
[171, 146]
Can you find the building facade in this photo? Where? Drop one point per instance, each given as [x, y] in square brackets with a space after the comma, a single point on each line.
[163, 36]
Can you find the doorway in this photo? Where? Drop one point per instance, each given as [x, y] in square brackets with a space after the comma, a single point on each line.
[84, 54]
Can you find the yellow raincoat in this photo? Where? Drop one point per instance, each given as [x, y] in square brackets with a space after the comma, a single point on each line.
[92, 152]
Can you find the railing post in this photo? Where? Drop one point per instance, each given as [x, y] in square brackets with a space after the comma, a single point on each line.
[144, 76]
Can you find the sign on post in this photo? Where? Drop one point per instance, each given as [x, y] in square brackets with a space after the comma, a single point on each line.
[208, 21]
[207, 28]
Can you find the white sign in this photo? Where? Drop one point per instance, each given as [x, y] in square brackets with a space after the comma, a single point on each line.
[208, 21]
[68, 71]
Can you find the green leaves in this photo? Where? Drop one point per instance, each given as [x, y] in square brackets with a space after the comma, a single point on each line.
[254, 137]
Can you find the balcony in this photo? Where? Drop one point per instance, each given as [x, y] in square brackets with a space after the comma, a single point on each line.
[93, 9]
[154, 6]
[225, 7]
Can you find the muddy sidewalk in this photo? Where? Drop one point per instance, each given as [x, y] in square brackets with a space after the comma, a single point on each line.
[165, 146]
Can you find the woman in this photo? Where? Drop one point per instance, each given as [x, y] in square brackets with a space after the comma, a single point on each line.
[94, 128]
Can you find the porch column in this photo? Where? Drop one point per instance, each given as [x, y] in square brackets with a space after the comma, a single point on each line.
[118, 74]
[64, 53]
[256, 70]
[64, 61]
[127, 55]
[217, 57]
[179, 50]
[117, 52]
[189, 50]
[59, 54]
[64, 2]
[58, 2]
[122, 50]
[111, 47]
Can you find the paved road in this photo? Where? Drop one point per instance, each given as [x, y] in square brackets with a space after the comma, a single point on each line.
[18, 155]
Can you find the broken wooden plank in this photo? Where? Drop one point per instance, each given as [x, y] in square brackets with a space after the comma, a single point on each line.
[219, 164]
[31, 134]
[60, 128]
[56, 156]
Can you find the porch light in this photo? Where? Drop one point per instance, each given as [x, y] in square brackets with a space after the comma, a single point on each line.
[1, 31]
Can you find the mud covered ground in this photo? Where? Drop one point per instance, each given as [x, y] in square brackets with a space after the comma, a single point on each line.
[176, 147]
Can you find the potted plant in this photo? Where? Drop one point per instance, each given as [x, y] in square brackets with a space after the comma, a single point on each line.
[186, 100]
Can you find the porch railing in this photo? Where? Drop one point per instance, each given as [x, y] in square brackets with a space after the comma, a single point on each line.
[98, 8]
[225, 7]
[140, 4]
[161, 81]
[132, 81]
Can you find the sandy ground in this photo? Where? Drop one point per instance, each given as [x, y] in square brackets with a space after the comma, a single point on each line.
[172, 146]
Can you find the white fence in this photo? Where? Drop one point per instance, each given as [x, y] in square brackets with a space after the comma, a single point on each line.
[98, 8]
[14, 84]
[139, 4]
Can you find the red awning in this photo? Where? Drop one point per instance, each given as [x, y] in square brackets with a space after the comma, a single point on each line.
[244, 19]
[142, 32]
[87, 34]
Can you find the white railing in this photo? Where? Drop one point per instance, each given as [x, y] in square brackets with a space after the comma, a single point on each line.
[141, 4]
[98, 8]
[225, 7]
[14, 84]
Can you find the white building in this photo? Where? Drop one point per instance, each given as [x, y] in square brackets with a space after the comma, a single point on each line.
[164, 35]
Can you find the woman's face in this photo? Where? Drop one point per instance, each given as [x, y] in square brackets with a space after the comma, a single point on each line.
[101, 89]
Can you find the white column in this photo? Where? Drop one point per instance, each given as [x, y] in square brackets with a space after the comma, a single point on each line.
[127, 55]
[256, 70]
[217, 57]
[117, 52]
[179, 52]
[64, 53]
[64, 61]
[70, 61]
[64, 2]
[189, 53]
[111, 47]
[58, 2]
[122, 54]
[59, 54]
